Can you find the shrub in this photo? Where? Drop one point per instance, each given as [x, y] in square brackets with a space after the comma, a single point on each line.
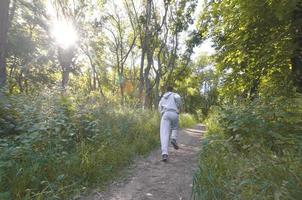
[225, 173]
[275, 123]
[186, 120]
[58, 146]
[252, 151]
[55, 146]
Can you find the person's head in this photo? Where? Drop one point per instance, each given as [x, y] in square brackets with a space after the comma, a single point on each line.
[169, 88]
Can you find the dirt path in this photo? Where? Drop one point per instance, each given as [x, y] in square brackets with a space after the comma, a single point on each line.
[150, 178]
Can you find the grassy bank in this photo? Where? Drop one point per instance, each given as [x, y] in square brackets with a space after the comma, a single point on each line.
[54, 147]
[252, 151]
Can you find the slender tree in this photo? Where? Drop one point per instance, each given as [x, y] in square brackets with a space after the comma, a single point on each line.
[4, 19]
[297, 39]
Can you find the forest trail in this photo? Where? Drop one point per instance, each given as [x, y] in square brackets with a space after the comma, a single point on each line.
[150, 178]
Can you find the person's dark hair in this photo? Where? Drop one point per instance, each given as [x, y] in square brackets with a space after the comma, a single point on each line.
[169, 88]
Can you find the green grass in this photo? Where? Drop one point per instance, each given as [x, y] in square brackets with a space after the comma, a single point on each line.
[225, 173]
[252, 151]
[186, 120]
[55, 147]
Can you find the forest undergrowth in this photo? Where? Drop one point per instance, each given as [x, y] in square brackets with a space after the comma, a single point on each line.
[54, 146]
[252, 151]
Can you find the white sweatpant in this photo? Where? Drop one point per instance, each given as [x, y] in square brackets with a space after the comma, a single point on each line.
[169, 121]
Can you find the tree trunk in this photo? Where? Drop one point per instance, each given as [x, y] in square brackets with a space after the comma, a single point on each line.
[141, 74]
[65, 77]
[94, 77]
[145, 37]
[20, 82]
[297, 70]
[148, 87]
[163, 44]
[65, 57]
[4, 18]
[100, 86]
[156, 91]
[94, 73]
[254, 89]
[122, 94]
[157, 79]
[297, 57]
[90, 81]
[121, 80]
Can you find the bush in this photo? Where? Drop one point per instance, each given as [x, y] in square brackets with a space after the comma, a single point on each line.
[52, 147]
[225, 173]
[252, 151]
[57, 146]
[186, 120]
[275, 123]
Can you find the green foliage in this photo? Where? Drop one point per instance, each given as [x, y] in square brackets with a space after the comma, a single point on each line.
[254, 43]
[225, 173]
[59, 146]
[254, 143]
[109, 40]
[252, 151]
[274, 122]
[54, 146]
[212, 122]
[197, 85]
[186, 120]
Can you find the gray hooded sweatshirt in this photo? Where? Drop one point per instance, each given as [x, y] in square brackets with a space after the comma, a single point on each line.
[169, 102]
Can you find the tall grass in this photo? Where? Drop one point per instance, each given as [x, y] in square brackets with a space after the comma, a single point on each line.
[54, 147]
[187, 120]
[252, 151]
[57, 146]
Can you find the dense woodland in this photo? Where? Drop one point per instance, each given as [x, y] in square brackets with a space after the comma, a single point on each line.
[81, 80]
[254, 143]
[126, 51]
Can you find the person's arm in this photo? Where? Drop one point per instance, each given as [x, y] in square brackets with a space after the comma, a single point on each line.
[178, 102]
[160, 108]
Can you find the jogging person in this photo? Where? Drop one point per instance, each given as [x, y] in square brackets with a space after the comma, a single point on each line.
[169, 108]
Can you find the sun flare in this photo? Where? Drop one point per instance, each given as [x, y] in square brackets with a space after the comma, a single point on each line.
[64, 34]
